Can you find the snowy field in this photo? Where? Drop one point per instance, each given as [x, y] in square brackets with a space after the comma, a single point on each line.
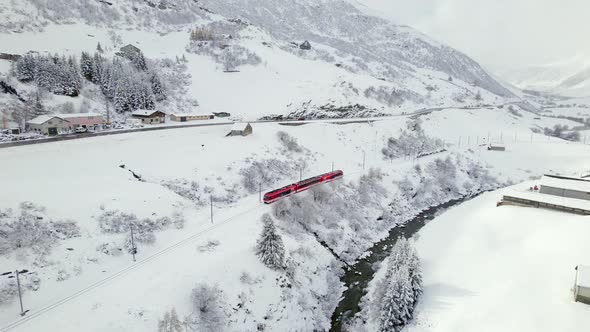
[508, 268]
[80, 179]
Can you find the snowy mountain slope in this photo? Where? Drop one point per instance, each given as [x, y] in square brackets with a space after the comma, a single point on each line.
[223, 255]
[568, 78]
[355, 58]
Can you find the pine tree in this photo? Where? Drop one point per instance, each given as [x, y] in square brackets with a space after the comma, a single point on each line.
[87, 66]
[99, 48]
[397, 302]
[170, 322]
[98, 69]
[157, 87]
[478, 96]
[269, 248]
[36, 106]
[25, 68]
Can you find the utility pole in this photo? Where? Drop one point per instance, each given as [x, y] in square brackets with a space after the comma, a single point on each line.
[332, 166]
[211, 208]
[364, 159]
[459, 141]
[468, 140]
[133, 247]
[20, 296]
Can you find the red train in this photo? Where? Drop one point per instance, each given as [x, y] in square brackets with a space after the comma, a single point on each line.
[275, 195]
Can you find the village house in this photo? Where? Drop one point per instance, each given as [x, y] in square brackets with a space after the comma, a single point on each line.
[84, 120]
[240, 129]
[49, 125]
[149, 116]
[184, 117]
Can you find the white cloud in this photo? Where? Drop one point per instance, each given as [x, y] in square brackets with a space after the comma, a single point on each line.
[499, 33]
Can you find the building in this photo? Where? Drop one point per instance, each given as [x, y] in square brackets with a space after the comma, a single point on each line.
[184, 117]
[49, 125]
[149, 116]
[496, 147]
[85, 120]
[565, 187]
[240, 129]
[582, 284]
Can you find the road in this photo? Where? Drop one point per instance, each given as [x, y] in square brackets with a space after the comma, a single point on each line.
[68, 137]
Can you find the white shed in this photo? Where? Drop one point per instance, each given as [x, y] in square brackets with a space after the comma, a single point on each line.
[240, 129]
[582, 285]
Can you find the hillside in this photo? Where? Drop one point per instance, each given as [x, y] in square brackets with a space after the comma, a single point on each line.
[250, 62]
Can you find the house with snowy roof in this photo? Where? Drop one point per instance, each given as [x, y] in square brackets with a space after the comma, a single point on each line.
[48, 125]
[149, 116]
[240, 129]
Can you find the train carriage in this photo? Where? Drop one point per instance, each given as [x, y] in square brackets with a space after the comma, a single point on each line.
[275, 195]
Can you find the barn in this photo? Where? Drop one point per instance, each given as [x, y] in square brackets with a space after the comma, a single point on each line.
[240, 129]
[184, 117]
[149, 116]
[85, 120]
[582, 285]
[565, 187]
[49, 125]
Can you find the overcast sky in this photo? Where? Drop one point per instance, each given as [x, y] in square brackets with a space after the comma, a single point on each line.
[500, 34]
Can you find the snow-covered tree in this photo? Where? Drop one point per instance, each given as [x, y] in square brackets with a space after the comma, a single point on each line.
[478, 96]
[397, 302]
[397, 295]
[36, 105]
[87, 66]
[170, 322]
[157, 87]
[208, 313]
[99, 48]
[25, 68]
[269, 248]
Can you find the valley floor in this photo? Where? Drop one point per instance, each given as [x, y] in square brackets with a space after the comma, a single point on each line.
[508, 268]
[80, 179]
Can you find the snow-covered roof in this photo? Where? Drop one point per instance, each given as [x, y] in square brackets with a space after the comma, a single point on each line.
[190, 114]
[564, 183]
[239, 126]
[583, 276]
[75, 115]
[41, 119]
[550, 199]
[144, 112]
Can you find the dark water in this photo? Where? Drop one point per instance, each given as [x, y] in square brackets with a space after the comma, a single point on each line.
[358, 276]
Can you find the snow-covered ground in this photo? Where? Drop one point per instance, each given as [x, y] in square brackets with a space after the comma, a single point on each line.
[507, 268]
[80, 179]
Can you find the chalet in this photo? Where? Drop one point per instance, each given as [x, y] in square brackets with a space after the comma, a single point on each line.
[49, 125]
[562, 186]
[582, 284]
[184, 117]
[85, 120]
[240, 129]
[149, 116]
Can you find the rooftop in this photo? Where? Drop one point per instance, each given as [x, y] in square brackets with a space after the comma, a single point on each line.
[191, 114]
[573, 203]
[239, 126]
[577, 184]
[144, 112]
[41, 119]
[75, 115]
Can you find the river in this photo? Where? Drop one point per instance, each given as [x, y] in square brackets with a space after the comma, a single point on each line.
[357, 276]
